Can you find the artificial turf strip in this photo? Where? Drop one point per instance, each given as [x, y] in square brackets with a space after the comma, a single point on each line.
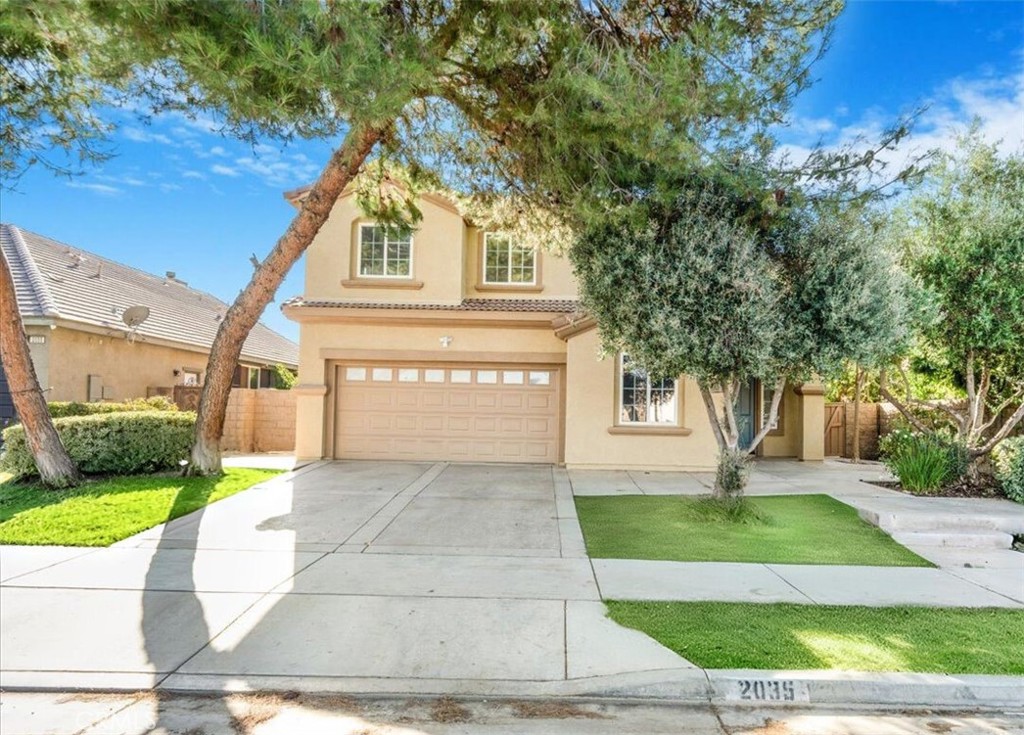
[726, 635]
[794, 529]
[100, 512]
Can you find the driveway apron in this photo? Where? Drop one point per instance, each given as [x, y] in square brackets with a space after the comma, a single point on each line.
[358, 576]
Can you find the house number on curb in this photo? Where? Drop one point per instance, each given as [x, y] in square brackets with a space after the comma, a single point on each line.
[770, 690]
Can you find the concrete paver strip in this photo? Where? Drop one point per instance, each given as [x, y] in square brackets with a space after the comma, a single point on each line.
[882, 586]
[494, 523]
[118, 631]
[390, 637]
[597, 646]
[18, 560]
[205, 570]
[997, 580]
[603, 482]
[630, 579]
[448, 576]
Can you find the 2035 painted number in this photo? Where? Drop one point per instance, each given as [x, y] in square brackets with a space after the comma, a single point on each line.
[760, 690]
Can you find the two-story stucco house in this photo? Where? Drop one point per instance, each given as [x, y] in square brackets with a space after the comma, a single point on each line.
[451, 343]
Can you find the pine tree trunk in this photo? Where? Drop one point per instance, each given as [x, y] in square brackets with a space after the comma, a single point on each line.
[55, 467]
[248, 307]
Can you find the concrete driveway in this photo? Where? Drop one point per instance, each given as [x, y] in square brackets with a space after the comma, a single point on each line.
[340, 576]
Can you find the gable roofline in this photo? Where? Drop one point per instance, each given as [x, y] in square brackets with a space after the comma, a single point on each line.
[42, 294]
[295, 197]
[89, 292]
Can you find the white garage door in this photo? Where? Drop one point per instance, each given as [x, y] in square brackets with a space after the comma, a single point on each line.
[465, 413]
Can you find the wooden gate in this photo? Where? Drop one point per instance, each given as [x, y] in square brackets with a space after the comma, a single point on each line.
[835, 429]
[187, 397]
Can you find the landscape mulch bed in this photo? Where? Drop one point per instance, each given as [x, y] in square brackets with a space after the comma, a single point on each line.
[959, 490]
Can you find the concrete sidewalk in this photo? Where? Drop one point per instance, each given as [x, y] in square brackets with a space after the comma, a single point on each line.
[630, 579]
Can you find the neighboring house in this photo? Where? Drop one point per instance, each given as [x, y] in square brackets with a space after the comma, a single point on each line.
[73, 305]
[450, 343]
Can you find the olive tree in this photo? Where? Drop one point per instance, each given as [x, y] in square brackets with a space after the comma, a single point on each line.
[727, 289]
[962, 239]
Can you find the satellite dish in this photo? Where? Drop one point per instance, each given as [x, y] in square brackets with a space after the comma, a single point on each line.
[133, 316]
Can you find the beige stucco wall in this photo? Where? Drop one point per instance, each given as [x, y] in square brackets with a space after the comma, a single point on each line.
[590, 411]
[556, 277]
[40, 353]
[126, 369]
[786, 444]
[436, 257]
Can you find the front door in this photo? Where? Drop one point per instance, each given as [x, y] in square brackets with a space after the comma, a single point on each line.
[745, 408]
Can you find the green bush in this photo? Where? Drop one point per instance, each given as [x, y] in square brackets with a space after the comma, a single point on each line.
[1008, 459]
[923, 463]
[125, 443]
[60, 409]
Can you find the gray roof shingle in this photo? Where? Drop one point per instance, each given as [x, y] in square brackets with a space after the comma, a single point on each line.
[59, 281]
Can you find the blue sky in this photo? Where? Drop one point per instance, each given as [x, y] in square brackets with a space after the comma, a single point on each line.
[178, 196]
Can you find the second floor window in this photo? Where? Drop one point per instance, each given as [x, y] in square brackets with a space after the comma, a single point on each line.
[384, 252]
[508, 263]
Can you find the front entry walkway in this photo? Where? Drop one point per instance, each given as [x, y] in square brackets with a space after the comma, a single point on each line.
[345, 576]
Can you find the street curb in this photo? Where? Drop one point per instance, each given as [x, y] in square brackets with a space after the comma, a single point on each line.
[738, 686]
[724, 687]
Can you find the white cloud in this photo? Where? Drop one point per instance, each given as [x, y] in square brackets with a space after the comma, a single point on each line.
[224, 170]
[218, 151]
[996, 103]
[190, 174]
[101, 189]
[168, 187]
[138, 135]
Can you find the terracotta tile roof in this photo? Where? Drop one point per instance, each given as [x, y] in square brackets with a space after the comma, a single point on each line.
[553, 306]
[57, 281]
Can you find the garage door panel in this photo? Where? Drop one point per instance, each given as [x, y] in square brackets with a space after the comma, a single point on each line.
[462, 412]
[432, 399]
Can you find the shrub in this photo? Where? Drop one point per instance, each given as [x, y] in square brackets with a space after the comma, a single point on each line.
[1008, 458]
[923, 463]
[123, 443]
[60, 409]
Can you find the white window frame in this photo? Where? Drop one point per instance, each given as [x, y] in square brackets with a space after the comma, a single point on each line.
[621, 376]
[508, 276]
[248, 377]
[359, 255]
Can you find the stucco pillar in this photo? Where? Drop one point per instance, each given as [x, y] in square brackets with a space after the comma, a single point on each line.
[309, 420]
[812, 422]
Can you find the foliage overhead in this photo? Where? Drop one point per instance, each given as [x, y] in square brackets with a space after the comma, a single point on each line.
[52, 68]
[556, 103]
[962, 239]
[708, 288]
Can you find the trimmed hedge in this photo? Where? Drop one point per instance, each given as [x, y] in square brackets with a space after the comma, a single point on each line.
[1008, 458]
[124, 443]
[60, 409]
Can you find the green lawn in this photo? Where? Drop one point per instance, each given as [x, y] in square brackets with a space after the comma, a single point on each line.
[789, 529]
[103, 511]
[725, 635]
